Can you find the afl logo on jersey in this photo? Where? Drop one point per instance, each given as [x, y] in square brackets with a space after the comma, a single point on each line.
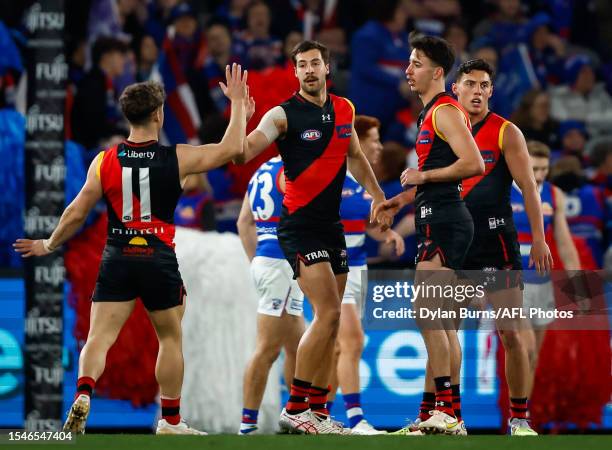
[311, 135]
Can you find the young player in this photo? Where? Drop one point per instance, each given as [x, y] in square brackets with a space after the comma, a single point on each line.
[141, 182]
[447, 154]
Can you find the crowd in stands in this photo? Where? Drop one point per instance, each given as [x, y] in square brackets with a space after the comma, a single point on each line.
[553, 78]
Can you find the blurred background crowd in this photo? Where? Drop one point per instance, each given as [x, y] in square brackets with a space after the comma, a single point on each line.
[553, 79]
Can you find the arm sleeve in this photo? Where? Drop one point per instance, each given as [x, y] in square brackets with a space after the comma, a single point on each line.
[267, 125]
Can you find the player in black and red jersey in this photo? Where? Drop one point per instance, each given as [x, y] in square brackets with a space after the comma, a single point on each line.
[141, 182]
[447, 153]
[315, 135]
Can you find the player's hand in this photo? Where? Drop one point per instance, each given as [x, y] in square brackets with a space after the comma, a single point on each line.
[384, 212]
[236, 87]
[395, 239]
[412, 177]
[540, 257]
[249, 103]
[29, 247]
[384, 220]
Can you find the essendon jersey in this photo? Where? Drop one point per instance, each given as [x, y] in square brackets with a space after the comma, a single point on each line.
[437, 202]
[314, 152]
[487, 196]
[141, 187]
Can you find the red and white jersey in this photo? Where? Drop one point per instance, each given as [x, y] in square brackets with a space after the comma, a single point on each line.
[141, 187]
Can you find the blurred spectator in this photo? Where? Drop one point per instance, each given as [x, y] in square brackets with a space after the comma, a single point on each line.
[195, 208]
[546, 50]
[77, 58]
[380, 53]
[233, 11]
[573, 140]
[96, 113]
[533, 118]
[146, 57]
[457, 36]
[131, 15]
[317, 15]
[506, 27]
[583, 98]
[256, 47]
[10, 68]
[432, 15]
[219, 41]
[601, 160]
[291, 40]
[158, 17]
[335, 40]
[584, 209]
[489, 54]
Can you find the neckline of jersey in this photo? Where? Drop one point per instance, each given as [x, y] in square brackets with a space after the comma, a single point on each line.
[327, 100]
[139, 144]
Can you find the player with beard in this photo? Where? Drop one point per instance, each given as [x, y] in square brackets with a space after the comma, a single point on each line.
[315, 135]
[447, 154]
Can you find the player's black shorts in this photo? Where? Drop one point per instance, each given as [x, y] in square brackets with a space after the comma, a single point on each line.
[131, 271]
[313, 243]
[449, 240]
[495, 251]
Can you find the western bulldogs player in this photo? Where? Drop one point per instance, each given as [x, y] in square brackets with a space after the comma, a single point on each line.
[315, 136]
[355, 214]
[280, 324]
[141, 182]
[538, 291]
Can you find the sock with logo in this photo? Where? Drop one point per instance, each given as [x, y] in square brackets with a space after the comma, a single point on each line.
[444, 395]
[171, 410]
[456, 390]
[518, 408]
[354, 413]
[427, 404]
[317, 400]
[298, 396]
[85, 386]
[249, 421]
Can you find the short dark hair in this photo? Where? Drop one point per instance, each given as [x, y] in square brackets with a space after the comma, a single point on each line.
[435, 48]
[106, 45]
[305, 46]
[601, 152]
[474, 64]
[538, 149]
[138, 101]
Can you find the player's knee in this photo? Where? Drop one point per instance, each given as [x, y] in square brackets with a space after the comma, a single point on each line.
[351, 344]
[511, 339]
[100, 341]
[330, 315]
[267, 352]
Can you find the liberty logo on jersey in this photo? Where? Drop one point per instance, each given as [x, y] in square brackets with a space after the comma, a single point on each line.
[344, 131]
[134, 154]
[311, 135]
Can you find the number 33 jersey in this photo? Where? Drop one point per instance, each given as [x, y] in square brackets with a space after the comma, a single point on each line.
[266, 199]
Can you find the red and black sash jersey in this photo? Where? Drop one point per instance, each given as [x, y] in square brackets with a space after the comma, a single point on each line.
[141, 187]
[314, 151]
[437, 202]
[487, 196]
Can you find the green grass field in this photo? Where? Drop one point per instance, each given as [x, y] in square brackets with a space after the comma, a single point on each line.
[219, 442]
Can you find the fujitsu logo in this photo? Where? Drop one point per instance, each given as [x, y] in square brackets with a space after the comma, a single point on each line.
[37, 19]
[135, 232]
[136, 154]
[43, 122]
[56, 71]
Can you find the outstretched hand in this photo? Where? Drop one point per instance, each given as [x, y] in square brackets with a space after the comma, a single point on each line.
[29, 247]
[235, 87]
